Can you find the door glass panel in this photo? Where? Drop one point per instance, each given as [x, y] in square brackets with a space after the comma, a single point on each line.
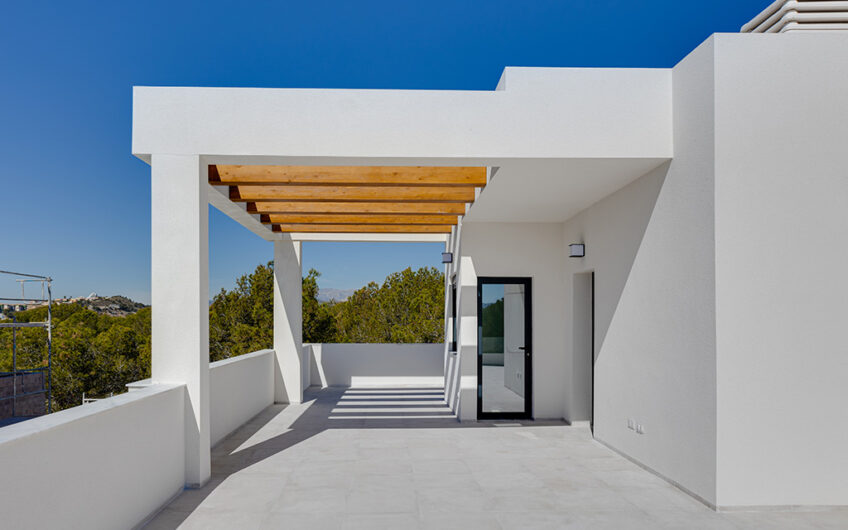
[503, 347]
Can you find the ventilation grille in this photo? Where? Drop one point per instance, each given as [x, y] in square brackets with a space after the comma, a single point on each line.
[796, 15]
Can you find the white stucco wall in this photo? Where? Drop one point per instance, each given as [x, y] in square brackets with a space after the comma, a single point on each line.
[108, 464]
[239, 388]
[376, 364]
[782, 268]
[540, 112]
[651, 247]
[532, 250]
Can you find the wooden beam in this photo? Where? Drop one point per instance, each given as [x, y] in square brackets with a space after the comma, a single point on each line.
[348, 175]
[362, 219]
[214, 177]
[363, 229]
[284, 207]
[352, 193]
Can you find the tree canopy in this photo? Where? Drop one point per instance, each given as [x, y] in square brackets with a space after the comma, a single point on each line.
[407, 307]
[98, 354]
[92, 353]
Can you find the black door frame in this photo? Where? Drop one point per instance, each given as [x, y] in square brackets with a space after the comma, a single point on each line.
[592, 359]
[528, 348]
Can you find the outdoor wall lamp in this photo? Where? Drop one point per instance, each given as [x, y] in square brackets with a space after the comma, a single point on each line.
[447, 257]
[576, 250]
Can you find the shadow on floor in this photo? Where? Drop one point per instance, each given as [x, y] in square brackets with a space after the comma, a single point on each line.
[322, 409]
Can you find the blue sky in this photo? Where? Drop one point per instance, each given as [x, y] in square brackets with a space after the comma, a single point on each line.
[75, 203]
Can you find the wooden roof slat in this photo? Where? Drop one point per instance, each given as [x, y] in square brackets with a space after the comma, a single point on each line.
[352, 193]
[285, 207]
[362, 229]
[369, 219]
[353, 199]
[347, 175]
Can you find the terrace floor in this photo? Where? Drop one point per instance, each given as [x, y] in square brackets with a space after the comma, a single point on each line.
[397, 458]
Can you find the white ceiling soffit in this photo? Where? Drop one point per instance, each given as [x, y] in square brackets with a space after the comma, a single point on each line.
[784, 16]
[553, 191]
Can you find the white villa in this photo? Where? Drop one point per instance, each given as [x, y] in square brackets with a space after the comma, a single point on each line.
[653, 262]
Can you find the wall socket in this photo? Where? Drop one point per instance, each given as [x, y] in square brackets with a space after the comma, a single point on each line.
[633, 426]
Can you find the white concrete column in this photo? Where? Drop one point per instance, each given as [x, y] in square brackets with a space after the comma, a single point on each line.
[180, 296]
[467, 347]
[288, 322]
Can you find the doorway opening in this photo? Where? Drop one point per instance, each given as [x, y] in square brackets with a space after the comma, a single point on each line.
[504, 348]
[583, 337]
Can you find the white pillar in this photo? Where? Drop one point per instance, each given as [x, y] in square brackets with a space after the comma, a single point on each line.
[467, 347]
[180, 296]
[288, 322]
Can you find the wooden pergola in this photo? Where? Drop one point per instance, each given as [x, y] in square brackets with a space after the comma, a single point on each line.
[352, 199]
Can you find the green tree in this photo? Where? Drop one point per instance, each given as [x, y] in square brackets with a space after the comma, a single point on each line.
[242, 320]
[97, 354]
[319, 324]
[93, 353]
[408, 307]
[493, 327]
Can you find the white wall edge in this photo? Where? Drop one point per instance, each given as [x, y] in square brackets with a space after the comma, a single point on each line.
[367, 381]
[240, 358]
[22, 430]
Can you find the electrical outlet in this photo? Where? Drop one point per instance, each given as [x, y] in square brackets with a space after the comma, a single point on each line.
[640, 429]
[630, 424]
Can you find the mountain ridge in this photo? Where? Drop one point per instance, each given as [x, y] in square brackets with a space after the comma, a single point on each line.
[338, 295]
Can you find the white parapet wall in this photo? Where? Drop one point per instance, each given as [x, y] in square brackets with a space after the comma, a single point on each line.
[375, 364]
[239, 388]
[107, 464]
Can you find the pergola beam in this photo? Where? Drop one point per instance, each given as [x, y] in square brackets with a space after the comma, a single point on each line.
[387, 200]
[362, 229]
[312, 207]
[396, 219]
[250, 193]
[347, 175]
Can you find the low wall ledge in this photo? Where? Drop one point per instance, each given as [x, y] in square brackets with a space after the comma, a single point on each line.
[238, 358]
[25, 429]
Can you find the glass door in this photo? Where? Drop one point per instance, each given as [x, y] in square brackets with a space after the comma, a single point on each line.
[504, 348]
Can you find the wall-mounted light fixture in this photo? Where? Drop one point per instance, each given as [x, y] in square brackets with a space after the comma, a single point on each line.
[447, 257]
[576, 250]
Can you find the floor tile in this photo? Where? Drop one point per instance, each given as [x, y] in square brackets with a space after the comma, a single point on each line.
[312, 466]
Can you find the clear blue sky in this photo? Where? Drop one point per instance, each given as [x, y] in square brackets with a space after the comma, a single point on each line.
[75, 203]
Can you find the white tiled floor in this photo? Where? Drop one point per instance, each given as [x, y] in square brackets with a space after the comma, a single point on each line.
[396, 458]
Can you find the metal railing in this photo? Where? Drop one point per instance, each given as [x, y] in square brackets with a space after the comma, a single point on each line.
[16, 395]
[46, 297]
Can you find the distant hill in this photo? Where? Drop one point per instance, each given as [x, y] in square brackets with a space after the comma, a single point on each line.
[339, 295]
[116, 306]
